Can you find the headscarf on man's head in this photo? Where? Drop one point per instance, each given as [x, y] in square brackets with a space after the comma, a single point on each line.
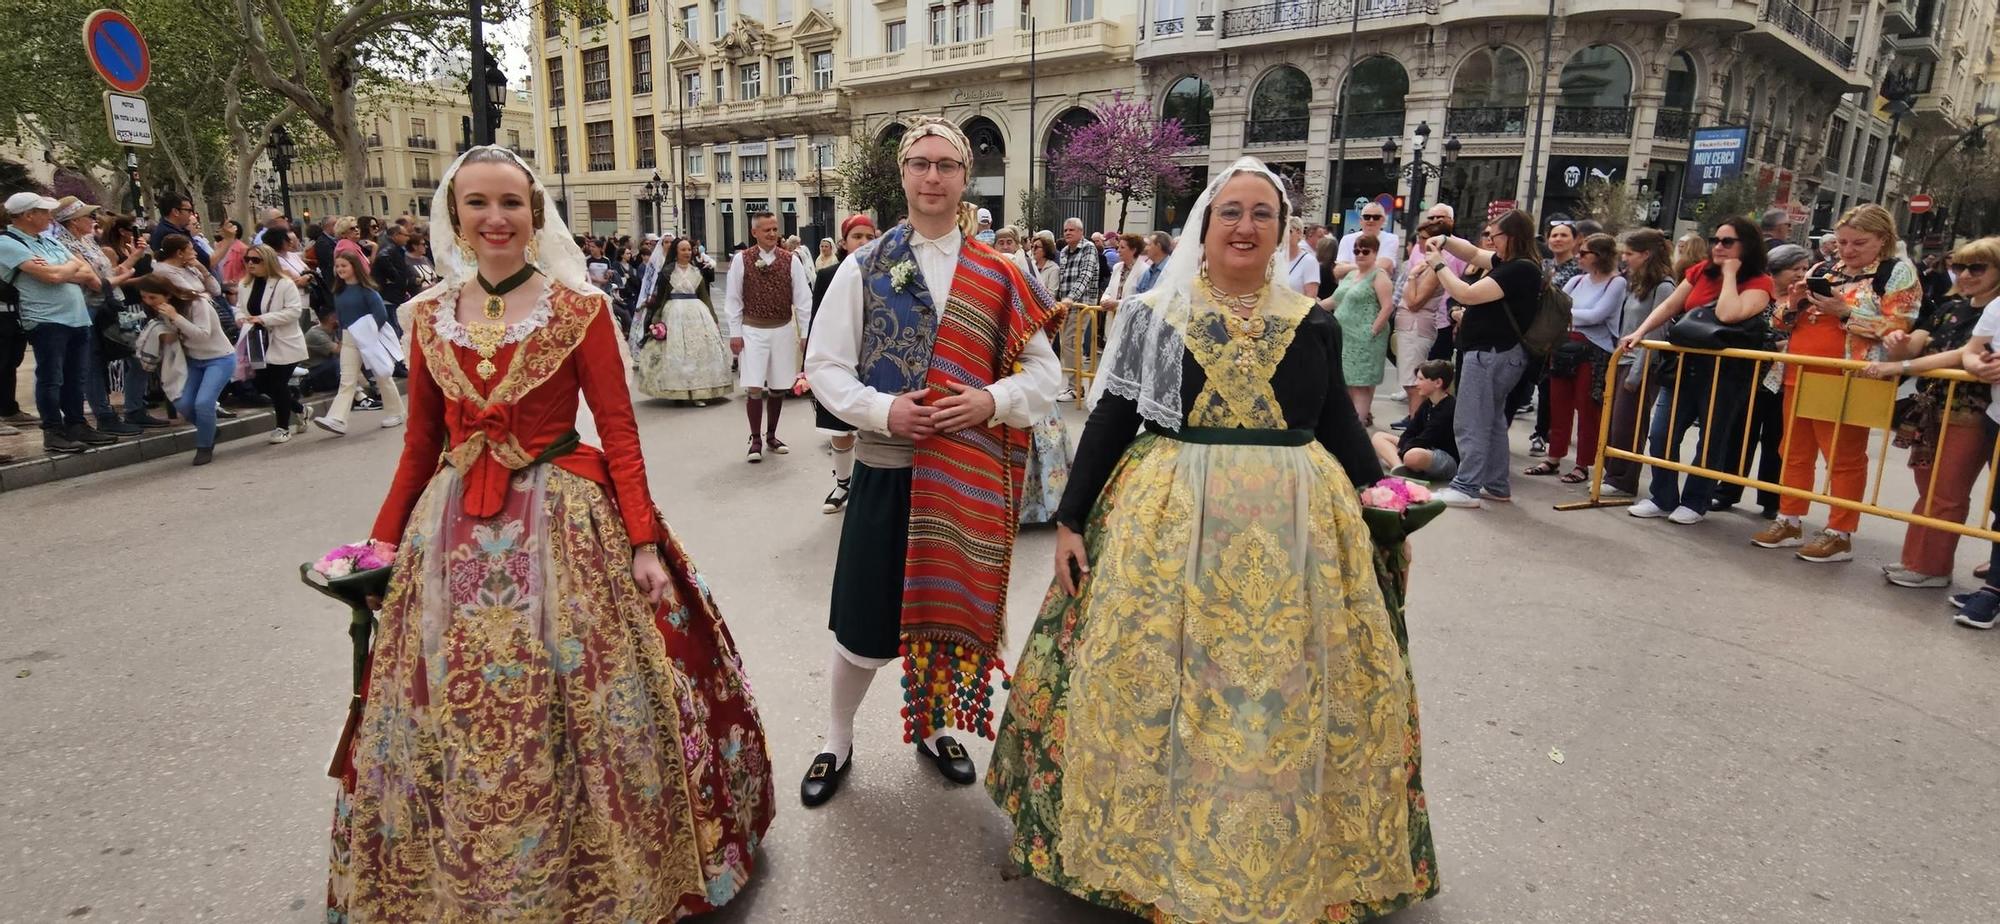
[934, 127]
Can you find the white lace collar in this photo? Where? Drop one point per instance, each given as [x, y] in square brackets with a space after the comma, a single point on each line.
[445, 321]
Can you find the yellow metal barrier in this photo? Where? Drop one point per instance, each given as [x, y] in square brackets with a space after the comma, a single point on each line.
[1080, 328]
[1845, 397]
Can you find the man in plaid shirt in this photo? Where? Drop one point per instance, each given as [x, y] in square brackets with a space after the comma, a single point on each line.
[1077, 283]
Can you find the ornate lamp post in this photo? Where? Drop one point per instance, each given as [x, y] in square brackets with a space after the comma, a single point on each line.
[282, 151]
[1418, 171]
[656, 193]
[496, 95]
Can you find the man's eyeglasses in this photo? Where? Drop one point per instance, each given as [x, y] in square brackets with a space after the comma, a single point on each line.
[1722, 241]
[1367, 217]
[1963, 268]
[918, 166]
[1232, 214]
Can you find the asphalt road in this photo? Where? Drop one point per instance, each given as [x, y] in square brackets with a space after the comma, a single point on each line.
[1745, 737]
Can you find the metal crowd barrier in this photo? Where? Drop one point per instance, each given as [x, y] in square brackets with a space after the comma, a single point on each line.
[1078, 344]
[1847, 397]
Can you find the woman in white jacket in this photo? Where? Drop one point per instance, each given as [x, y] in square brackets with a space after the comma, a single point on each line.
[269, 310]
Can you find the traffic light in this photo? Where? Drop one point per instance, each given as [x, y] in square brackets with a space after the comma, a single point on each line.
[1399, 203]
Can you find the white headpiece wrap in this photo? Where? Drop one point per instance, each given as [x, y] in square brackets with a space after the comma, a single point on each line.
[553, 250]
[1142, 358]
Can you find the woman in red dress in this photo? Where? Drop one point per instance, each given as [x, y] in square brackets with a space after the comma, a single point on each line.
[557, 725]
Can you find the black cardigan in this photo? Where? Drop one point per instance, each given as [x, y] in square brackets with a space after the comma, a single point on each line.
[1311, 393]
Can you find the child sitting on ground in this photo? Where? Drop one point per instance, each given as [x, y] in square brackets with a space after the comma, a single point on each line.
[1426, 449]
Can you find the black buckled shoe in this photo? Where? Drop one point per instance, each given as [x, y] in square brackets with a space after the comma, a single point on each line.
[951, 761]
[823, 779]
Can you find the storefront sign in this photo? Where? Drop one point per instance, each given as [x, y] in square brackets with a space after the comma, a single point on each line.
[1716, 156]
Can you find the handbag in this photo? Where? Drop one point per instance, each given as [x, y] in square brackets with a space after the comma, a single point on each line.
[1568, 357]
[1701, 329]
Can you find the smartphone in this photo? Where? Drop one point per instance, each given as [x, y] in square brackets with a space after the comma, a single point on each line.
[1820, 286]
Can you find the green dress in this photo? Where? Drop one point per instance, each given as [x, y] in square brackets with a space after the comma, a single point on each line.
[1363, 353]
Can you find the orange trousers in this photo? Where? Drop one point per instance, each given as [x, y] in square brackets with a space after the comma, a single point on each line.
[1806, 442]
[1958, 463]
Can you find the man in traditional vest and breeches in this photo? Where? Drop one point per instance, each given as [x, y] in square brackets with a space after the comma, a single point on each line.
[768, 298]
[937, 348]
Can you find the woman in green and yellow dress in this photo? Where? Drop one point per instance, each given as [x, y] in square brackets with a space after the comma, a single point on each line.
[1213, 719]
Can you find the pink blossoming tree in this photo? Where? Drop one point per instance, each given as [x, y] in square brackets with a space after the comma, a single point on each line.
[1126, 151]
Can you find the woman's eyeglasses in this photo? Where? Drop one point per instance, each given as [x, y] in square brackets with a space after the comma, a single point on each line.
[1363, 253]
[1722, 241]
[1233, 214]
[1963, 268]
[252, 261]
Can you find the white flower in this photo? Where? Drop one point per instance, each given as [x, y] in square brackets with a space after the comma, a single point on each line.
[338, 568]
[902, 274]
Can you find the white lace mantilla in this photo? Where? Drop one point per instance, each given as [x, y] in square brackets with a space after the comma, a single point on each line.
[447, 325]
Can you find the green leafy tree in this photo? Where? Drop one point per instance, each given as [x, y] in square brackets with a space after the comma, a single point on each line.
[1038, 210]
[1738, 196]
[1611, 204]
[871, 180]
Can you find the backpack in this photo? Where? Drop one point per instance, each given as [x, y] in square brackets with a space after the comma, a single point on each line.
[1550, 327]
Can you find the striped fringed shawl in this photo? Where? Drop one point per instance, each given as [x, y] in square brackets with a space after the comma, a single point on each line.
[965, 486]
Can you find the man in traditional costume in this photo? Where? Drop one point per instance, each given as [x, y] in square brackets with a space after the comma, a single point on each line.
[768, 298]
[937, 348]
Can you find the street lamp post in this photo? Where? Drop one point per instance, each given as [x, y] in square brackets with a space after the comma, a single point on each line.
[823, 220]
[1899, 90]
[475, 82]
[1418, 171]
[496, 94]
[132, 181]
[656, 192]
[282, 150]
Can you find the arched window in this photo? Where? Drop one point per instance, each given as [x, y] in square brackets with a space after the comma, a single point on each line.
[1279, 107]
[1677, 108]
[1375, 101]
[987, 187]
[1190, 100]
[1084, 202]
[1489, 94]
[1596, 93]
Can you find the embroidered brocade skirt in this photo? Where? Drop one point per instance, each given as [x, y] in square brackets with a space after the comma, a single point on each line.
[541, 743]
[692, 364]
[1047, 473]
[1222, 725]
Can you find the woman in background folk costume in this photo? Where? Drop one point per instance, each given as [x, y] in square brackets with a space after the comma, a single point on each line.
[1048, 440]
[1213, 719]
[557, 725]
[681, 356]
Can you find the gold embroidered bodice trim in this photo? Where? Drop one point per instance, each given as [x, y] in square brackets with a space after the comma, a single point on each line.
[534, 361]
[1239, 356]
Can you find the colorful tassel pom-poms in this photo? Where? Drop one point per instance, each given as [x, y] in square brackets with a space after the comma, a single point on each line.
[946, 685]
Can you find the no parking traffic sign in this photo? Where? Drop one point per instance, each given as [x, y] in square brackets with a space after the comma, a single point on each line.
[117, 51]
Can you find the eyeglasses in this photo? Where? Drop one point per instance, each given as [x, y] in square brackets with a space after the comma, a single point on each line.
[1963, 268]
[1489, 235]
[252, 261]
[918, 166]
[1560, 223]
[1722, 241]
[1363, 253]
[1373, 217]
[1232, 214]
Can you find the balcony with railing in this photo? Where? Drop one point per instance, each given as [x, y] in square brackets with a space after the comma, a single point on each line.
[1077, 44]
[819, 112]
[724, 176]
[527, 154]
[636, 7]
[1167, 28]
[787, 174]
[755, 176]
[1275, 131]
[1291, 15]
[1605, 121]
[601, 162]
[1798, 23]
[1385, 124]
[376, 182]
[421, 141]
[425, 184]
[1486, 120]
[373, 140]
[642, 82]
[1674, 125]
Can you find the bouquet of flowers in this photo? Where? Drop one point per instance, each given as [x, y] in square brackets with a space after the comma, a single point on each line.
[1394, 508]
[1394, 494]
[800, 386]
[658, 330]
[347, 559]
[356, 575]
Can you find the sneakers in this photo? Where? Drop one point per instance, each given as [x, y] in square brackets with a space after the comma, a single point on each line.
[333, 425]
[1685, 516]
[1828, 546]
[89, 436]
[1537, 446]
[365, 403]
[1980, 609]
[1453, 497]
[777, 445]
[1403, 424]
[1645, 509]
[299, 422]
[9, 430]
[390, 423]
[145, 421]
[1068, 394]
[1904, 577]
[58, 443]
[836, 499]
[223, 413]
[1781, 534]
[117, 427]
[204, 455]
[280, 435]
[20, 417]
[756, 453]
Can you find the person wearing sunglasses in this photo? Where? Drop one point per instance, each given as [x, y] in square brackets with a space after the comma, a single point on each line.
[1495, 359]
[1873, 293]
[1733, 279]
[1374, 220]
[1981, 608]
[271, 307]
[1948, 444]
